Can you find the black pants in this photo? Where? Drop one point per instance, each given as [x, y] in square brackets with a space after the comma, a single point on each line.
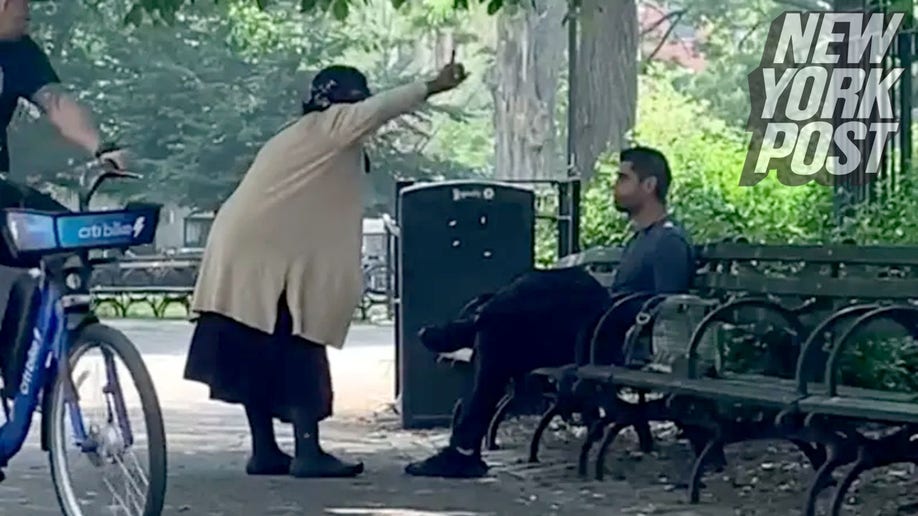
[550, 331]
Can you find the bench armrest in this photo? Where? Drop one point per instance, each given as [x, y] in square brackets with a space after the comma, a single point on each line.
[647, 316]
[904, 315]
[720, 314]
[813, 357]
[619, 302]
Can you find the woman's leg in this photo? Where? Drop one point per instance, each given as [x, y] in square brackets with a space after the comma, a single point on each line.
[236, 362]
[267, 457]
[305, 396]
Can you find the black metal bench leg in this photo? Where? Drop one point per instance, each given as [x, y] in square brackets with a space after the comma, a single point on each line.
[814, 453]
[842, 491]
[712, 450]
[593, 435]
[823, 478]
[698, 439]
[612, 432]
[553, 411]
[502, 409]
[645, 437]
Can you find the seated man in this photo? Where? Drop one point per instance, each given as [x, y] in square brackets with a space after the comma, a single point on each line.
[543, 317]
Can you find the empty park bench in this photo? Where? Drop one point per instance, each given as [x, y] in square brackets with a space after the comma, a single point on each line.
[841, 288]
[122, 298]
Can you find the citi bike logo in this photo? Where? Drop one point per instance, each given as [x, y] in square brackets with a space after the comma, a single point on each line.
[31, 360]
[114, 229]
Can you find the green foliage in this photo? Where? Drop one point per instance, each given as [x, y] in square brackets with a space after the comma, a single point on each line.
[196, 103]
[166, 10]
[706, 156]
[881, 363]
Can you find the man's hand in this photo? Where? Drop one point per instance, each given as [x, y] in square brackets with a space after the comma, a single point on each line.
[69, 117]
[452, 75]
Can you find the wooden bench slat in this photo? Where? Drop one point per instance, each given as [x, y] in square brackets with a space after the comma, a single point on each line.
[141, 290]
[855, 288]
[848, 254]
[869, 409]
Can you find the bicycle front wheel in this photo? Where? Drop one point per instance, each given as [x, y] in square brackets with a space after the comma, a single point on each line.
[133, 484]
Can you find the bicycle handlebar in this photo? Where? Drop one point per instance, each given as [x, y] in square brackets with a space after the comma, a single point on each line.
[94, 173]
[108, 171]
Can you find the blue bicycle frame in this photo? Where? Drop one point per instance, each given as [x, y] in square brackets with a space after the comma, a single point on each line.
[46, 358]
[48, 348]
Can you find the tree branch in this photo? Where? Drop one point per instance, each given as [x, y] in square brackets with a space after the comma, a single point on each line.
[669, 31]
[749, 33]
[677, 14]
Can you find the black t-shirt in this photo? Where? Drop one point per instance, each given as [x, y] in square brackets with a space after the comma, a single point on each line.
[24, 69]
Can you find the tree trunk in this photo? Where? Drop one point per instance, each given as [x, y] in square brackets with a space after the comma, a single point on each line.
[606, 82]
[530, 52]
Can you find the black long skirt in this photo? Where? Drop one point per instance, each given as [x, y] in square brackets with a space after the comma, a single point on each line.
[278, 372]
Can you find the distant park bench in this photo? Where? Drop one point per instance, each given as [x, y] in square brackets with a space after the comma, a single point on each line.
[159, 299]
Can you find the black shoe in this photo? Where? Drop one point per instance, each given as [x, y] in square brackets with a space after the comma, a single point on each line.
[324, 465]
[449, 463]
[449, 337]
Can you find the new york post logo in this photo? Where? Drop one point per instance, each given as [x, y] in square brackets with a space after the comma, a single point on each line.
[822, 97]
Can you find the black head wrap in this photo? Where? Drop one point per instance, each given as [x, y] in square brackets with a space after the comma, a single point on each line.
[337, 85]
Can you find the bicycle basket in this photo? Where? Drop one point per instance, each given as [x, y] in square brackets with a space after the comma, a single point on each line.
[31, 232]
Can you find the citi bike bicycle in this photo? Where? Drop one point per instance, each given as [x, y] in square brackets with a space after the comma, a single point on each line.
[60, 330]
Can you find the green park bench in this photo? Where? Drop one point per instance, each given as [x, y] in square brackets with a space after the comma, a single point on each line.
[782, 302]
[158, 298]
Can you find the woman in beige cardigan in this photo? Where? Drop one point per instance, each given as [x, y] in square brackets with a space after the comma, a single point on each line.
[281, 276]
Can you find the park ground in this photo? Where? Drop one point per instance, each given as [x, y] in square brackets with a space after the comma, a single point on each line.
[208, 444]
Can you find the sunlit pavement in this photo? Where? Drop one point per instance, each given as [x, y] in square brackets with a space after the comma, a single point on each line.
[208, 442]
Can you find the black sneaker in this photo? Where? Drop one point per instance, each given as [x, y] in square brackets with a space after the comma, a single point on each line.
[449, 463]
[449, 337]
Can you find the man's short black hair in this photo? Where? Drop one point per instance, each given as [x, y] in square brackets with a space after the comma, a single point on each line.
[648, 162]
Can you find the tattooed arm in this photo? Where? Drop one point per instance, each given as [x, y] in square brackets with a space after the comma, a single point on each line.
[37, 82]
[72, 120]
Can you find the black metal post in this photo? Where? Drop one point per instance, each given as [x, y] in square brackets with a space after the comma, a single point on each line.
[564, 219]
[400, 184]
[571, 200]
[907, 56]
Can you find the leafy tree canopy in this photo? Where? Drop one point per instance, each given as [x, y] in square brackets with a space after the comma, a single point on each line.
[340, 9]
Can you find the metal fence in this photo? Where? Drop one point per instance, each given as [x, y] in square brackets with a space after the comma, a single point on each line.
[896, 159]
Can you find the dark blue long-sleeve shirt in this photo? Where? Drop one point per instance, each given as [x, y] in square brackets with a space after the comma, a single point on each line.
[658, 259]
